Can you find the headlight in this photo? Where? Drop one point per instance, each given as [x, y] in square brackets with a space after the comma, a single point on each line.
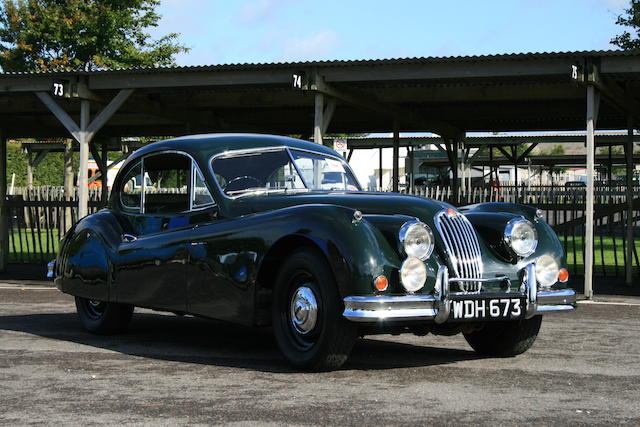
[417, 239]
[547, 270]
[413, 274]
[521, 237]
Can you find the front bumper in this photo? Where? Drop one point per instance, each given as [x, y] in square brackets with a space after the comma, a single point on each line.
[436, 307]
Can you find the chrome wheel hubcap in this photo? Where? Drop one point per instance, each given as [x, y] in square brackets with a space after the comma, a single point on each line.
[304, 310]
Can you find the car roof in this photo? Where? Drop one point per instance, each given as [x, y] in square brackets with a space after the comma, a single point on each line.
[205, 146]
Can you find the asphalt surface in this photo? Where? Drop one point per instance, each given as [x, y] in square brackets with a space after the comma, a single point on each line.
[167, 370]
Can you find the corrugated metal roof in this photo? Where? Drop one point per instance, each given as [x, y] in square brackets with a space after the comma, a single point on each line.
[343, 63]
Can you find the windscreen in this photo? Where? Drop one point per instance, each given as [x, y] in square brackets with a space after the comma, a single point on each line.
[324, 173]
[256, 171]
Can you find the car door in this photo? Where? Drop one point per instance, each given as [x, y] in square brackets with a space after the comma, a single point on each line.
[152, 257]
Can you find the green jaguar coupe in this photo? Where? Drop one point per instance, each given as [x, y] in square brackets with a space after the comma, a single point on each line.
[272, 231]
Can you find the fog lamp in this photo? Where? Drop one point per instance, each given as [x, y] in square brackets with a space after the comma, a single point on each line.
[413, 274]
[547, 271]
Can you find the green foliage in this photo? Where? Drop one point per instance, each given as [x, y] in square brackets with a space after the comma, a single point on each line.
[46, 35]
[629, 39]
[556, 150]
[49, 172]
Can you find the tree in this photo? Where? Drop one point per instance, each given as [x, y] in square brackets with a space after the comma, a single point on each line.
[52, 35]
[631, 18]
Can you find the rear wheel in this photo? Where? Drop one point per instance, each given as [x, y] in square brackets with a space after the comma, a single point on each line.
[102, 317]
[307, 314]
[505, 338]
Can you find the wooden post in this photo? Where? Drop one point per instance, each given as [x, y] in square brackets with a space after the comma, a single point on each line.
[69, 185]
[630, 170]
[380, 170]
[4, 211]
[318, 119]
[514, 152]
[105, 173]
[83, 178]
[396, 155]
[454, 168]
[588, 246]
[29, 170]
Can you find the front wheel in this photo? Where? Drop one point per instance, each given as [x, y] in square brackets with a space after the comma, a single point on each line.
[505, 339]
[307, 314]
[102, 317]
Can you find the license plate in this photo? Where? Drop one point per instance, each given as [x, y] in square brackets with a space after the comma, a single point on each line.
[486, 309]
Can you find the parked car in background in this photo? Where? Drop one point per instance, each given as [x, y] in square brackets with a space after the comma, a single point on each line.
[243, 228]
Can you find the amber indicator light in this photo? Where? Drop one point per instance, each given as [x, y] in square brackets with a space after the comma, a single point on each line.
[381, 283]
[451, 212]
[563, 275]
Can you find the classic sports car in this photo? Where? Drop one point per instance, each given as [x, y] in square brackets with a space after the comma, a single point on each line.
[266, 230]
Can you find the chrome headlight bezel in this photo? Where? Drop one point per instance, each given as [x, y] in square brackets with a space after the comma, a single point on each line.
[406, 235]
[511, 227]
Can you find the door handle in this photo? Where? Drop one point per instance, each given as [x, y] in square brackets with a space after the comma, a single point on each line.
[126, 237]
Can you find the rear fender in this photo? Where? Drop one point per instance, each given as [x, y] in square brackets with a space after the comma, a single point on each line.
[84, 262]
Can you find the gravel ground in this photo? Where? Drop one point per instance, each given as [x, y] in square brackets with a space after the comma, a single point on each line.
[167, 370]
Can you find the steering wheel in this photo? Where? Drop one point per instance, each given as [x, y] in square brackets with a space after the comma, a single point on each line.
[241, 179]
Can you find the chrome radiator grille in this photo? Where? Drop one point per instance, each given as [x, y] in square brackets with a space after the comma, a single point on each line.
[462, 247]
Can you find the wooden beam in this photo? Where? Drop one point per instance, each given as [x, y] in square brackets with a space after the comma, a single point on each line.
[38, 159]
[400, 114]
[629, 194]
[60, 114]
[84, 138]
[107, 112]
[588, 247]
[396, 156]
[318, 119]
[4, 214]
[98, 174]
[328, 115]
[526, 152]
[505, 153]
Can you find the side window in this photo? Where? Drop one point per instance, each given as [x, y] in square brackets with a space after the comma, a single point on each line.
[201, 195]
[131, 191]
[167, 178]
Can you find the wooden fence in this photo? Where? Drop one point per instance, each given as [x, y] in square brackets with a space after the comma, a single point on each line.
[39, 218]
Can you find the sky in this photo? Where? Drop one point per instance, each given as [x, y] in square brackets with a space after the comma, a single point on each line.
[254, 31]
[250, 31]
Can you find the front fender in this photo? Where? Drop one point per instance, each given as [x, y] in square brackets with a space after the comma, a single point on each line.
[489, 220]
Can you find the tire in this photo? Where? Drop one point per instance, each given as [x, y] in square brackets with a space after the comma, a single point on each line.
[505, 339]
[321, 345]
[103, 318]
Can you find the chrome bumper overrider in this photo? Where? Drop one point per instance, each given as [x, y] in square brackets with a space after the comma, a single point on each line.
[437, 306]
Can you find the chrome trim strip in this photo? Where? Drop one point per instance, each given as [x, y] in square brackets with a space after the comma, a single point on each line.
[462, 247]
[490, 279]
[438, 306]
[559, 297]
[547, 308]
[531, 288]
[442, 284]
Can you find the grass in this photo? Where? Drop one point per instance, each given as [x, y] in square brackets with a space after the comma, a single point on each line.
[25, 246]
[606, 247]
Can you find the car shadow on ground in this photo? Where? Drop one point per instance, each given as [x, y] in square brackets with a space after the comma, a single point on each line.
[209, 342]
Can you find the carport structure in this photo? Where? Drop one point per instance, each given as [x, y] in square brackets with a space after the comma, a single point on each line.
[447, 96]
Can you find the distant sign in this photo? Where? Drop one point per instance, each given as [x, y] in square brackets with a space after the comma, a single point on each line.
[340, 144]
